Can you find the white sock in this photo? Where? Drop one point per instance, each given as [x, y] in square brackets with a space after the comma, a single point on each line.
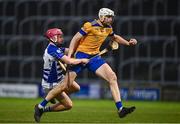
[40, 106]
[120, 108]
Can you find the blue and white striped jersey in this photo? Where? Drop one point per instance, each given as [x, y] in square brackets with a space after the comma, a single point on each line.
[52, 71]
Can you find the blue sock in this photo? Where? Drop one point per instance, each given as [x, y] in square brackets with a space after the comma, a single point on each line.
[44, 103]
[119, 105]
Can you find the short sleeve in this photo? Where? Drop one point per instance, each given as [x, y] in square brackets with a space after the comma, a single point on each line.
[55, 52]
[86, 28]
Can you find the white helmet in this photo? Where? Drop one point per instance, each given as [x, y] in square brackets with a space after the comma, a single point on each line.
[105, 12]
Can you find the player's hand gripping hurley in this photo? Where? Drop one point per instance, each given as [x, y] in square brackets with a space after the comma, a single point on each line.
[113, 45]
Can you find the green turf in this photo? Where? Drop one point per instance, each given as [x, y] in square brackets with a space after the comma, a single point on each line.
[90, 111]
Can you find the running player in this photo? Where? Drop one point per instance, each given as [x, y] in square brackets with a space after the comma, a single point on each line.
[53, 73]
[86, 44]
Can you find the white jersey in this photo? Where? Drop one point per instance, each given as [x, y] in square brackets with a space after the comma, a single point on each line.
[52, 71]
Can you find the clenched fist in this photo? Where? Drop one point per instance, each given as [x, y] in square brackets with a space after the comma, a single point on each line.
[132, 42]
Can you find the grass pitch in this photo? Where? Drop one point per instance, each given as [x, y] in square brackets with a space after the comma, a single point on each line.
[90, 111]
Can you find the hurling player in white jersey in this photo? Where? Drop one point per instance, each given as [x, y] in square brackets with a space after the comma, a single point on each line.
[53, 73]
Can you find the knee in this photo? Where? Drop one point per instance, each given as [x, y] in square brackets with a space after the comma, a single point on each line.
[112, 78]
[69, 105]
[73, 88]
[77, 88]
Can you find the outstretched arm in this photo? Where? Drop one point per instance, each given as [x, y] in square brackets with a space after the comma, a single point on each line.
[66, 51]
[74, 43]
[72, 61]
[121, 40]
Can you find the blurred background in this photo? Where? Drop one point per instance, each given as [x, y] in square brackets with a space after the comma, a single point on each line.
[148, 71]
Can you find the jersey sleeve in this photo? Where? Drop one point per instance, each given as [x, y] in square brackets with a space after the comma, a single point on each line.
[86, 28]
[56, 52]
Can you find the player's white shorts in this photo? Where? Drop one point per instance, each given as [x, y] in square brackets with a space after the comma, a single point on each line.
[49, 86]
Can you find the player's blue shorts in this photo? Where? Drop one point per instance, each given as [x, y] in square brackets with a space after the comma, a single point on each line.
[93, 64]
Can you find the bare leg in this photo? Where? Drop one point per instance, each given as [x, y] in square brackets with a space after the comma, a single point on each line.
[65, 103]
[73, 88]
[61, 87]
[107, 73]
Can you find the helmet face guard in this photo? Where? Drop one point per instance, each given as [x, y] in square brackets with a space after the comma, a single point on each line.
[51, 33]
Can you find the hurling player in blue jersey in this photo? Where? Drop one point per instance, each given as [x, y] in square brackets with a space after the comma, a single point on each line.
[53, 73]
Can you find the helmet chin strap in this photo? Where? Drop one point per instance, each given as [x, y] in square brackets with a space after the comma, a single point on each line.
[55, 43]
